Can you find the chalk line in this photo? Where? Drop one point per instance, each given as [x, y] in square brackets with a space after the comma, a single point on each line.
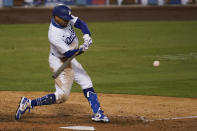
[175, 118]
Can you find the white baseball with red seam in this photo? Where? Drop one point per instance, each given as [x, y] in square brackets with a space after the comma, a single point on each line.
[156, 63]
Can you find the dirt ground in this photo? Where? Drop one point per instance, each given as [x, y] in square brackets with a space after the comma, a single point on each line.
[124, 112]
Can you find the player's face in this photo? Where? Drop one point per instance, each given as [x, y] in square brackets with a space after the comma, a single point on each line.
[61, 21]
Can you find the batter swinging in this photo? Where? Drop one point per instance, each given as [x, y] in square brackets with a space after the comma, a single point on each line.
[64, 44]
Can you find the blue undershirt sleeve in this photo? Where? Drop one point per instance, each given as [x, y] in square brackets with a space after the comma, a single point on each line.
[82, 26]
[70, 53]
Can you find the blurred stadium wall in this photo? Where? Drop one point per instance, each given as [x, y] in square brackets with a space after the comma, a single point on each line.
[52, 3]
[40, 11]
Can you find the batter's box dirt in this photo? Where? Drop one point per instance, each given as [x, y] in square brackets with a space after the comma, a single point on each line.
[124, 111]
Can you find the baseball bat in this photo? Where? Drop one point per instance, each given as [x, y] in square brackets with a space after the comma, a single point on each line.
[64, 65]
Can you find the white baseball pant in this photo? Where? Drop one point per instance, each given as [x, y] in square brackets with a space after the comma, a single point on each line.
[63, 83]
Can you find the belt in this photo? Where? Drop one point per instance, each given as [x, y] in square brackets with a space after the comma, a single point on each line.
[63, 59]
[53, 54]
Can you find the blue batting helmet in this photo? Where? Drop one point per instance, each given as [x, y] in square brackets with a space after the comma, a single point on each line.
[63, 12]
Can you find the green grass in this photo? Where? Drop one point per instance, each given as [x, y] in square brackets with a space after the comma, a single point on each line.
[120, 60]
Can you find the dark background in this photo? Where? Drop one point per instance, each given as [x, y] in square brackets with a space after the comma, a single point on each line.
[92, 14]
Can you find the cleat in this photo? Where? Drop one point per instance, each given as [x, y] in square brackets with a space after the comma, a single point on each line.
[100, 117]
[23, 106]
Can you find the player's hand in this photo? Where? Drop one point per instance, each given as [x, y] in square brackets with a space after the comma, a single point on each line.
[87, 42]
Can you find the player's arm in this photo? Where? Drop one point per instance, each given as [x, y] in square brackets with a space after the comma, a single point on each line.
[61, 46]
[70, 53]
[84, 29]
[82, 26]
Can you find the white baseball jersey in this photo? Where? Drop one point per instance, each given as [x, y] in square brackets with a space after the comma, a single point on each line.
[62, 39]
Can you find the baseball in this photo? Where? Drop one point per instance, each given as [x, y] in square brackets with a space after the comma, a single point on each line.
[156, 63]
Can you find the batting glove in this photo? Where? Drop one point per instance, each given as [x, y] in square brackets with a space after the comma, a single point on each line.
[87, 42]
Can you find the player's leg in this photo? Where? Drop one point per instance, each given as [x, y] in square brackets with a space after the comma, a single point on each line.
[26, 103]
[63, 86]
[82, 78]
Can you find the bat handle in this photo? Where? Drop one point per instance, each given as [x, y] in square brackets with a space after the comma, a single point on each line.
[61, 68]
[54, 77]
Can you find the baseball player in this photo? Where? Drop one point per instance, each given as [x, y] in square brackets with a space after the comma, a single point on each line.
[63, 45]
